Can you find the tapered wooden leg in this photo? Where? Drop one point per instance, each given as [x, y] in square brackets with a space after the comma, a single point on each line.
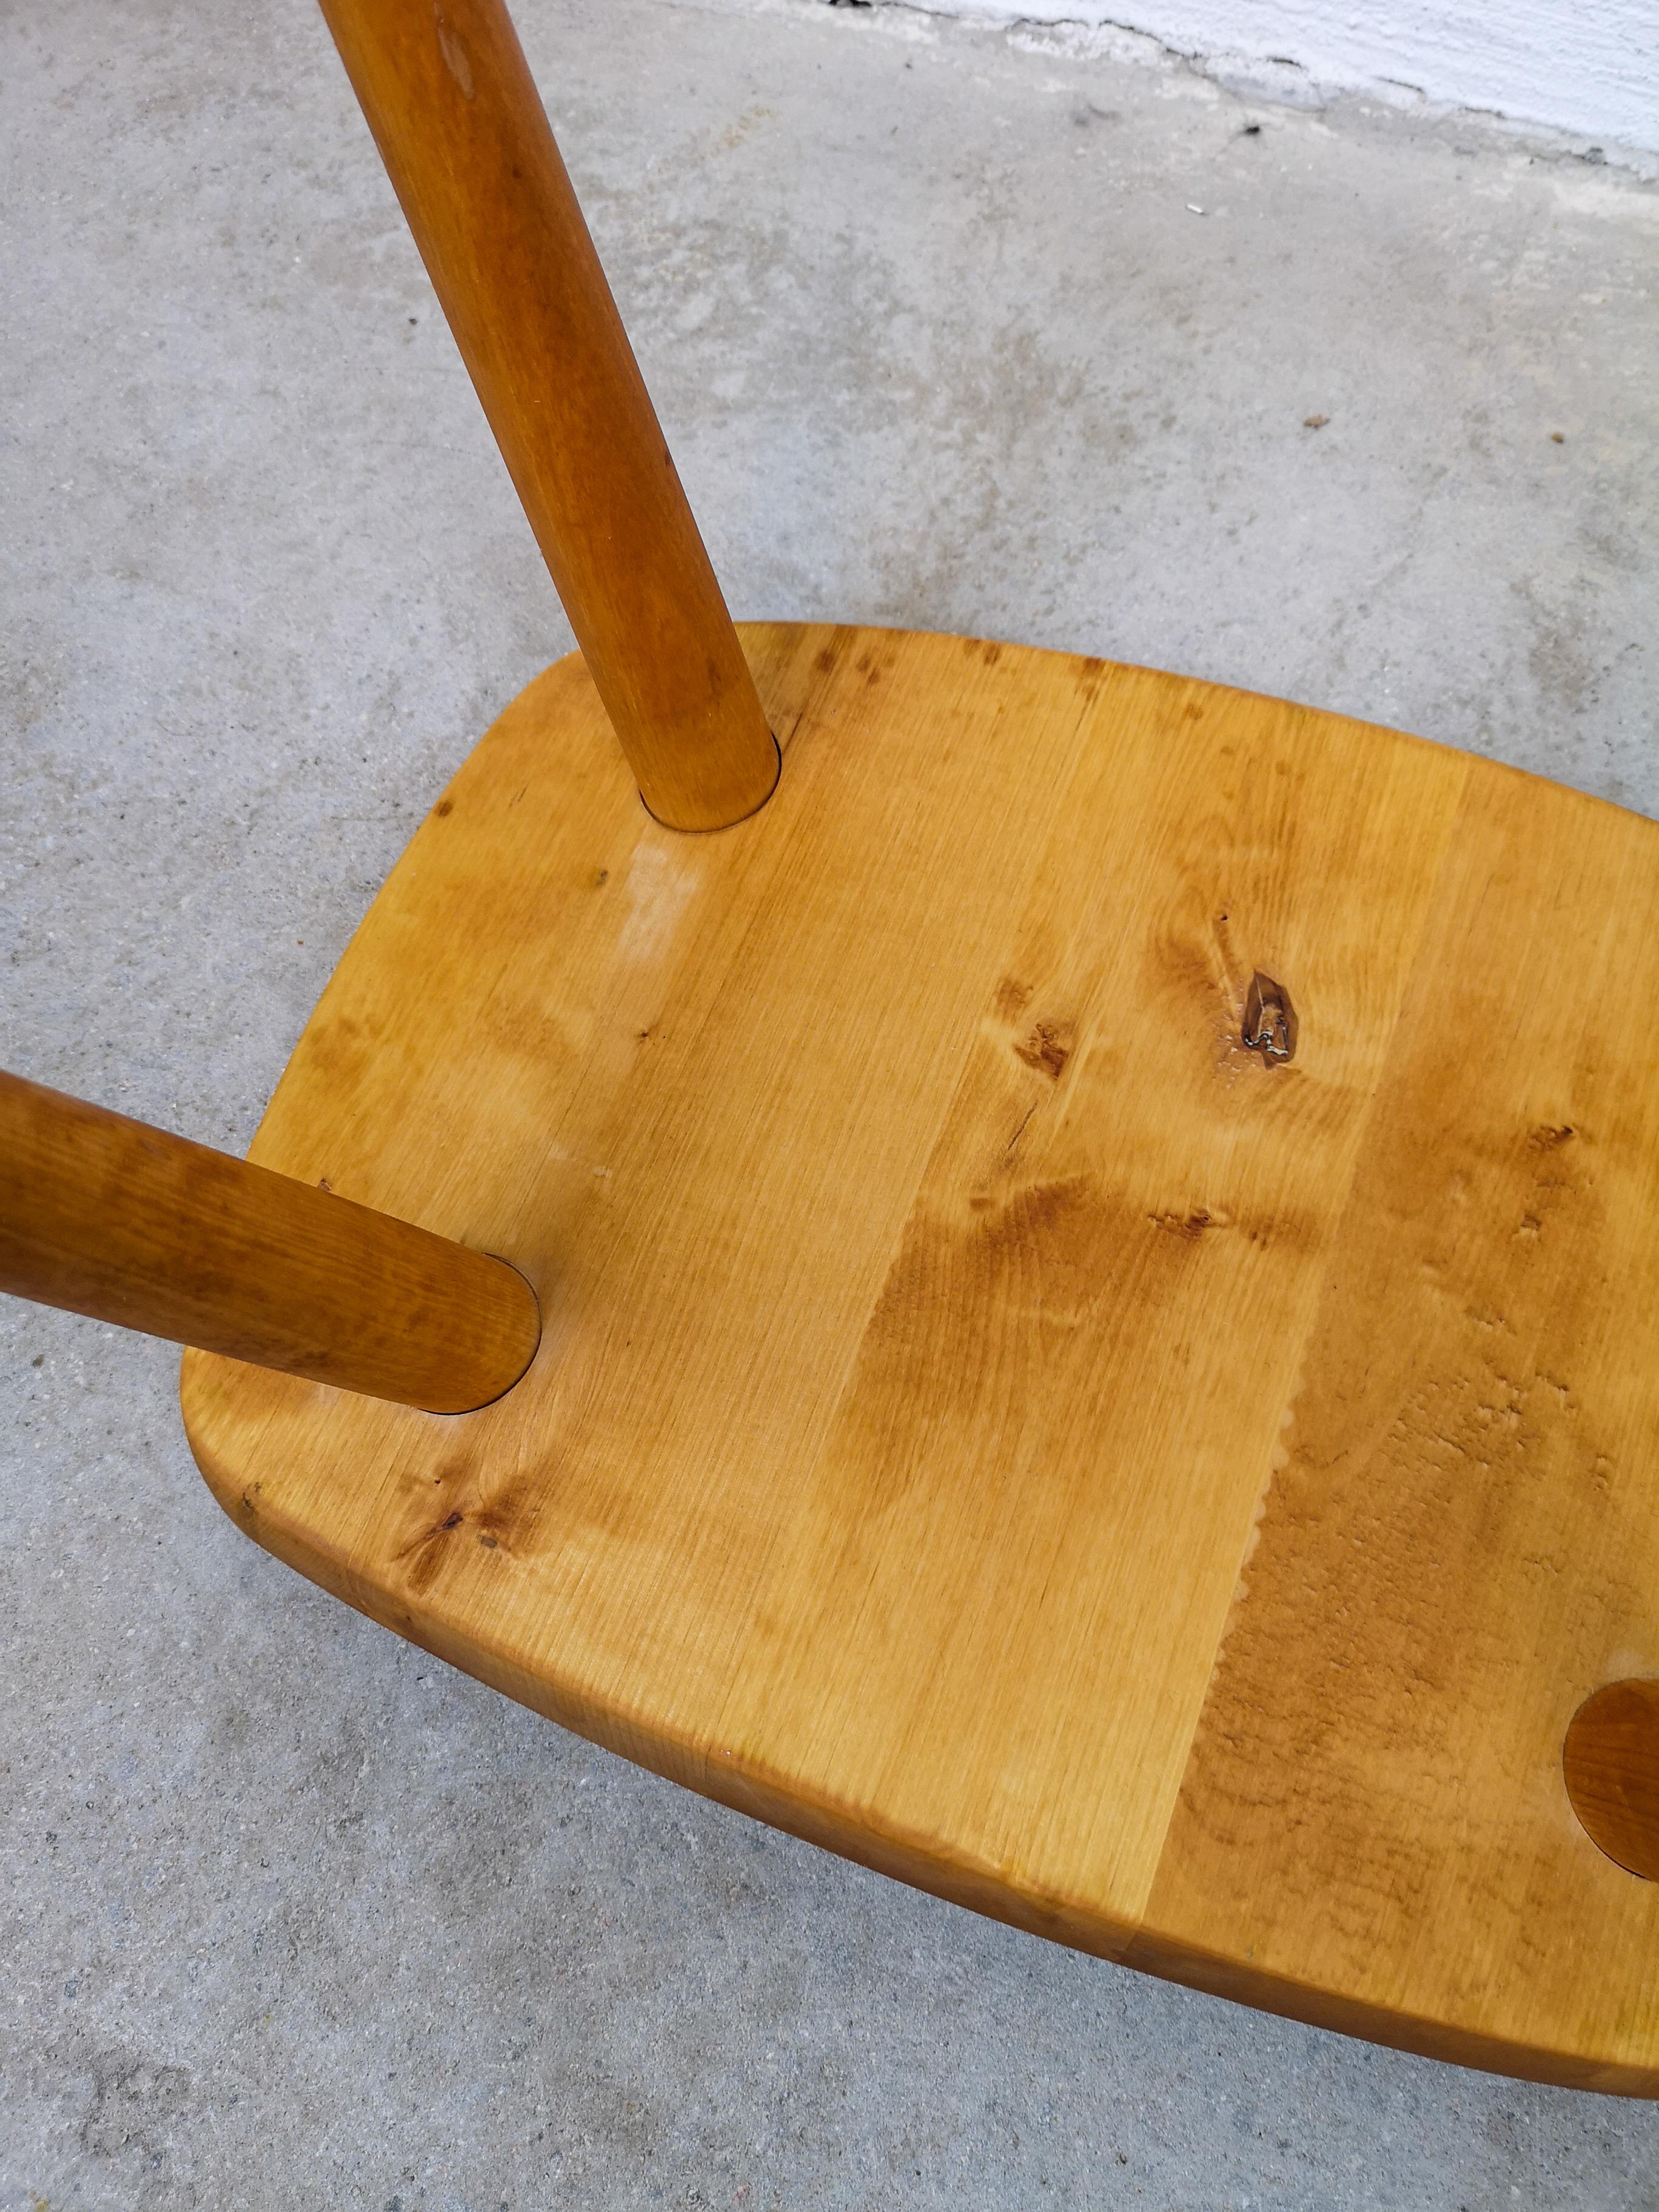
[462, 131]
[111, 1218]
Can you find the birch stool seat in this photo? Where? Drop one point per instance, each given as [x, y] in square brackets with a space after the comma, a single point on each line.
[1096, 1292]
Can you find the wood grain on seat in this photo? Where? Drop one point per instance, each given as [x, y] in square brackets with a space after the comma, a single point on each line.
[1098, 1281]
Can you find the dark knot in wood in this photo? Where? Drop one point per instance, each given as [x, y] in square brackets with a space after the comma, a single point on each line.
[1269, 1020]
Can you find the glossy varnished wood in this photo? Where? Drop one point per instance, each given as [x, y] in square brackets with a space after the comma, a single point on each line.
[106, 1216]
[1169, 1491]
[461, 129]
[1611, 1762]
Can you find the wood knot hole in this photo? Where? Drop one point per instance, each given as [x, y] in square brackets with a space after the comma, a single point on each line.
[1269, 1020]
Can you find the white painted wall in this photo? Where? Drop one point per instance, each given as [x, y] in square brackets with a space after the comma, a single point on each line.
[1590, 67]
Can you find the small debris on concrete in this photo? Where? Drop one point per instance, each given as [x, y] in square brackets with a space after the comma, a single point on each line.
[1315, 421]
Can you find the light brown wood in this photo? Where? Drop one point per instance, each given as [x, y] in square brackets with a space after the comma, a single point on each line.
[109, 1217]
[1611, 1763]
[455, 113]
[1099, 1271]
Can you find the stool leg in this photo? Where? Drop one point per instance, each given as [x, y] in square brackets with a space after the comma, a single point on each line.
[455, 113]
[111, 1218]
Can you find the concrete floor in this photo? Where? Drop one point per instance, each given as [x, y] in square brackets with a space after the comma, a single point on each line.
[293, 1916]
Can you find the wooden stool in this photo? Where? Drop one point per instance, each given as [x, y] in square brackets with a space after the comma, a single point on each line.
[1060, 1298]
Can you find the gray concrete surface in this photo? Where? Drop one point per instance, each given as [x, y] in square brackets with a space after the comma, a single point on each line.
[292, 1916]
